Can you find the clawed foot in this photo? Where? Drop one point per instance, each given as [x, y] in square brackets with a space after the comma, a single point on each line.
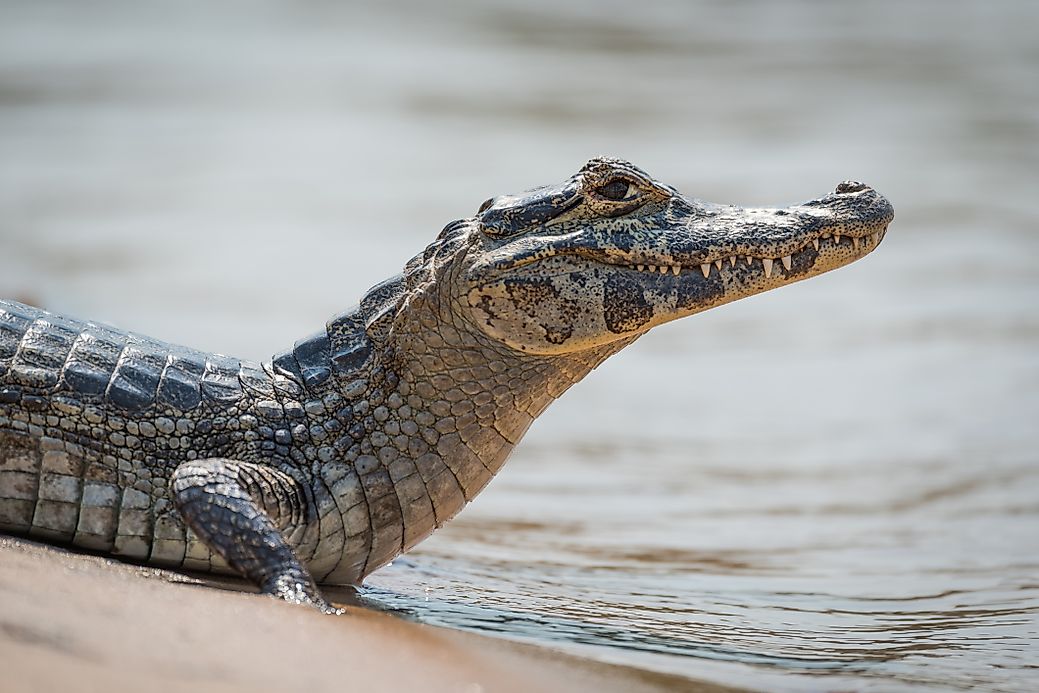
[296, 592]
[216, 498]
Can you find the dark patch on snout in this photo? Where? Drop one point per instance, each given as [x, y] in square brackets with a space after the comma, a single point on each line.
[541, 300]
[625, 308]
[528, 295]
[557, 334]
[700, 291]
[803, 262]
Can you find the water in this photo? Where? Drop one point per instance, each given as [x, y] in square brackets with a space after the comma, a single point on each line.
[830, 487]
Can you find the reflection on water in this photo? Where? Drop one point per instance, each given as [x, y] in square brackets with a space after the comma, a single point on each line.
[830, 487]
[875, 573]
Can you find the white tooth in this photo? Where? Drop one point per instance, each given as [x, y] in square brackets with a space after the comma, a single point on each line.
[875, 238]
[652, 268]
[855, 242]
[675, 269]
[732, 261]
[706, 269]
[815, 242]
[786, 261]
[768, 267]
[718, 264]
[663, 269]
[640, 267]
[750, 260]
[836, 238]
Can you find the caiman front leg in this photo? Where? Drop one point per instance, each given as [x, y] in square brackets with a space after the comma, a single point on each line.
[242, 511]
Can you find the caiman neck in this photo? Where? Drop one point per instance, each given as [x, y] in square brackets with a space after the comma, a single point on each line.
[486, 391]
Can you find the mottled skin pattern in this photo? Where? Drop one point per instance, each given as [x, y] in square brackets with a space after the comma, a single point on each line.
[328, 461]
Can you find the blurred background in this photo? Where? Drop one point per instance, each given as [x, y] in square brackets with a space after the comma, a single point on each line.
[832, 486]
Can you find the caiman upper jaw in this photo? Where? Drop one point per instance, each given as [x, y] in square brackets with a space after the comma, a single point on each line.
[697, 235]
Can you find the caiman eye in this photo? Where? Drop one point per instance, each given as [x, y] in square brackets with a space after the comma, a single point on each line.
[615, 190]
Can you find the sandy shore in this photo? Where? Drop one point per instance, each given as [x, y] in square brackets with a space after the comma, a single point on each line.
[75, 622]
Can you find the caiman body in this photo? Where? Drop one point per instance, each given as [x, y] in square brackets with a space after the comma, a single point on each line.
[326, 462]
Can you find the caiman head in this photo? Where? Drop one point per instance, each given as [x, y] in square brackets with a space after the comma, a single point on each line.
[611, 253]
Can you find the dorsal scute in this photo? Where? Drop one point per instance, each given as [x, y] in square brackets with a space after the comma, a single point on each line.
[349, 333]
[352, 337]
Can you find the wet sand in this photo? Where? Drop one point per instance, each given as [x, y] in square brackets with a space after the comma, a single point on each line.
[76, 622]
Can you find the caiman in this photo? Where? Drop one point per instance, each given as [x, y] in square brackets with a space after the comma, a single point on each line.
[326, 462]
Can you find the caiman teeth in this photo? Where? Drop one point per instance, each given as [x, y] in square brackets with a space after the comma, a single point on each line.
[862, 244]
[768, 264]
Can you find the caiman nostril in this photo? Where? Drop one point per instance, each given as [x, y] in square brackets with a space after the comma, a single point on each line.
[851, 186]
[486, 204]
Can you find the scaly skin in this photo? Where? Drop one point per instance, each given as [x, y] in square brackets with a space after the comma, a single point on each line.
[327, 462]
